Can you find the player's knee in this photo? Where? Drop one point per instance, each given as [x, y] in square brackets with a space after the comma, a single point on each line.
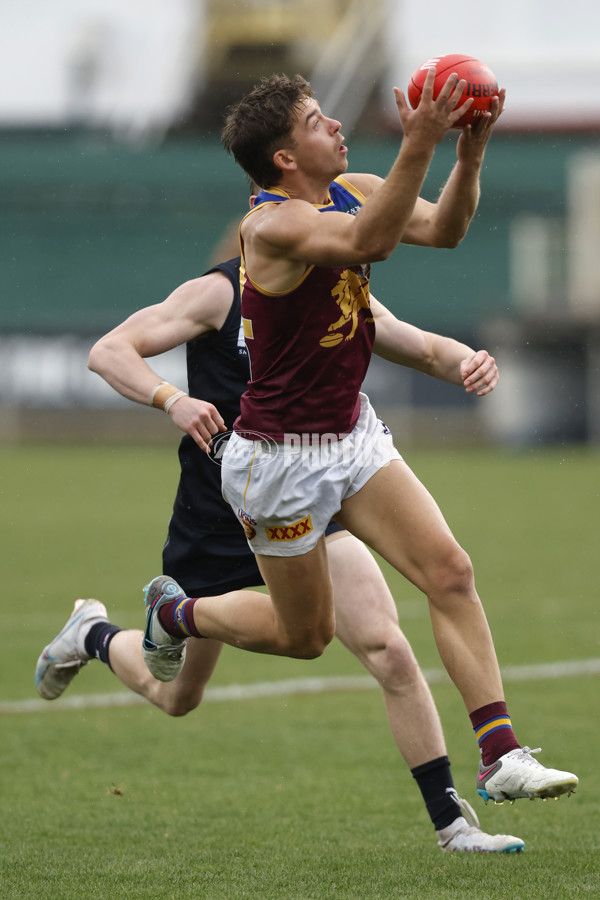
[453, 573]
[311, 648]
[393, 662]
[177, 707]
[311, 642]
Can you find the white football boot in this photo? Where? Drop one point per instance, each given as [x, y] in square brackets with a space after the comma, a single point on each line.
[518, 774]
[465, 836]
[61, 660]
[163, 654]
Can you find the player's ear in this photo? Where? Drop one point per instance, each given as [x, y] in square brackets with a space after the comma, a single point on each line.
[284, 159]
[254, 192]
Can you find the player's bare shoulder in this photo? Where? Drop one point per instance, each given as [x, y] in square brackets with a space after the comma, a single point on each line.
[363, 182]
[273, 228]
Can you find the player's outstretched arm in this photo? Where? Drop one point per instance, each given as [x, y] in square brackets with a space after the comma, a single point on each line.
[196, 307]
[435, 355]
[295, 232]
[446, 222]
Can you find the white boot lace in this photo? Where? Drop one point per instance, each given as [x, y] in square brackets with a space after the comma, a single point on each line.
[465, 807]
[526, 755]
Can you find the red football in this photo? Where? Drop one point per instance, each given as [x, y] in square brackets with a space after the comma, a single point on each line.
[481, 83]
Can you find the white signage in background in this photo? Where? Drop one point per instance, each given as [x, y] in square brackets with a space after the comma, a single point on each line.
[47, 371]
[583, 236]
[52, 371]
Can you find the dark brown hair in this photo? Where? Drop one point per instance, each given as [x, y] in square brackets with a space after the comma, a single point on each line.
[262, 123]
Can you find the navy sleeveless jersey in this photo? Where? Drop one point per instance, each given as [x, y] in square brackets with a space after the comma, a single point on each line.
[206, 550]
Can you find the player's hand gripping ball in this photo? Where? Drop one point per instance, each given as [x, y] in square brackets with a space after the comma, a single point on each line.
[481, 83]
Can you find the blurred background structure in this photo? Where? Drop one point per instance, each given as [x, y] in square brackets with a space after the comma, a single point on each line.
[114, 189]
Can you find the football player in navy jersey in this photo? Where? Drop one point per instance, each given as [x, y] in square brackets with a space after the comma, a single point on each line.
[207, 550]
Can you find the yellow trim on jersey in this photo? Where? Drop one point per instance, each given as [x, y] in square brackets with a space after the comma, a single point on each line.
[285, 196]
[288, 290]
[244, 272]
[350, 187]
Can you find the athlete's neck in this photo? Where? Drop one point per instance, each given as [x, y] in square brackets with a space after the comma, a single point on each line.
[316, 192]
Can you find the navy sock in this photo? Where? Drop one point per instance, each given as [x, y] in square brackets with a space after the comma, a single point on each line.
[435, 781]
[97, 640]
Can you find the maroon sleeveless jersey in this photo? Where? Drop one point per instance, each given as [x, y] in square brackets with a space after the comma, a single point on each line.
[309, 351]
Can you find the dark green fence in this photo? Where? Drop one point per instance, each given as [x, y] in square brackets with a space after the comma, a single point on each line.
[92, 231]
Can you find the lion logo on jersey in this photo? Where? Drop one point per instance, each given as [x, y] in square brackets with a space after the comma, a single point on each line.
[351, 294]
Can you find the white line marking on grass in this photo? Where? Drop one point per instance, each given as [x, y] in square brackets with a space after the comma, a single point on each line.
[288, 687]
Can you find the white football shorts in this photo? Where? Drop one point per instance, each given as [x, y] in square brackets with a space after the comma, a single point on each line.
[285, 494]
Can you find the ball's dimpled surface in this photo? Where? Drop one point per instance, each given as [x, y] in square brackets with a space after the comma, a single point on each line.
[481, 83]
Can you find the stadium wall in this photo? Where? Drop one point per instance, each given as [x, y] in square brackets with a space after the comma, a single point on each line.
[94, 230]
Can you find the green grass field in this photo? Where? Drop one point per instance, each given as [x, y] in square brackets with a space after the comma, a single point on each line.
[292, 797]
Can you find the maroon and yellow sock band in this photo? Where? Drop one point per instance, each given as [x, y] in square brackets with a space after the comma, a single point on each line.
[492, 725]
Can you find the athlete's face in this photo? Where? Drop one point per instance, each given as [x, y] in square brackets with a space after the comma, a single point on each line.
[319, 147]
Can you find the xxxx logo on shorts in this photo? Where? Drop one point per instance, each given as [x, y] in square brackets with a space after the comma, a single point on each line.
[290, 532]
[248, 523]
